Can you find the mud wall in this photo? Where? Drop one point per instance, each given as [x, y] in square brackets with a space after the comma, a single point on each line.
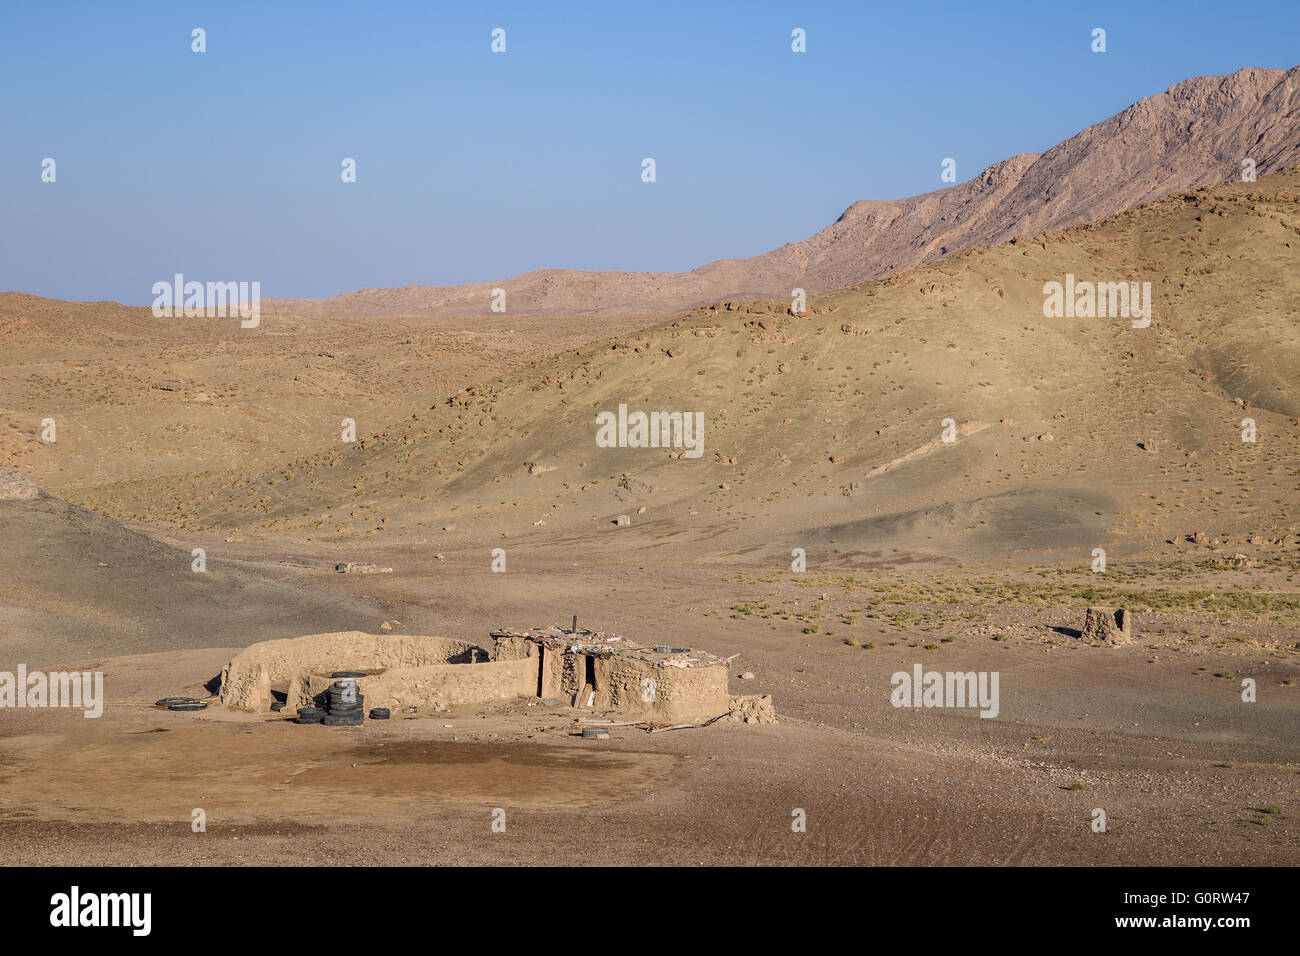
[635, 687]
[432, 673]
[430, 688]
[288, 665]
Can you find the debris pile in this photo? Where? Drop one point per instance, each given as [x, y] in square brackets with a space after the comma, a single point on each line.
[752, 709]
[16, 487]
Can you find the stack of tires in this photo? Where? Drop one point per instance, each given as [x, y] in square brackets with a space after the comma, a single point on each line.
[310, 715]
[345, 703]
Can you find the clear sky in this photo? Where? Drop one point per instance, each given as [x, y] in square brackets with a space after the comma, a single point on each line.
[474, 166]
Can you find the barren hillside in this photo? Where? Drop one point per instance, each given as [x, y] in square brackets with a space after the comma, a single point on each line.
[1195, 134]
[133, 396]
[74, 584]
[826, 430]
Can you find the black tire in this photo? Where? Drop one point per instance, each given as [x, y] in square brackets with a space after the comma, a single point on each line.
[277, 706]
[309, 720]
[342, 720]
[168, 701]
[311, 711]
[352, 674]
[379, 713]
[188, 705]
[594, 732]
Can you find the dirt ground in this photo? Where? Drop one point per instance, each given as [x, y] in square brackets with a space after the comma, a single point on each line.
[1170, 450]
[1186, 772]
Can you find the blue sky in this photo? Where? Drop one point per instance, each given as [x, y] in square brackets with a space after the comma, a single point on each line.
[474, 166]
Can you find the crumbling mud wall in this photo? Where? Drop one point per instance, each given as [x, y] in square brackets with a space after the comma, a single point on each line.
[634, 686]
[430, 688]
[624, 683]
[405, 673]
[400, 668]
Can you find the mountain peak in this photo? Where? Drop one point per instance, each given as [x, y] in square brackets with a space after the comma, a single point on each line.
[1195, 134]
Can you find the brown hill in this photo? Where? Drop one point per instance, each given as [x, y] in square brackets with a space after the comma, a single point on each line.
[1195, 134]
[824, 431]
[137, 396]
[74, 584]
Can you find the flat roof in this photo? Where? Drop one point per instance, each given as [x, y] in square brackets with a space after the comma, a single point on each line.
[606, 644]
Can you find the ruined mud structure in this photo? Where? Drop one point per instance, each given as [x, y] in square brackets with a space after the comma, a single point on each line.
[411, 674]
[1108, 625]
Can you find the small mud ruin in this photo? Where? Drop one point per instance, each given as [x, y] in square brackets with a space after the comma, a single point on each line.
[410, 674]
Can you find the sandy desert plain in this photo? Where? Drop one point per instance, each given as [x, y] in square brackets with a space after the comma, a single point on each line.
[823, 432]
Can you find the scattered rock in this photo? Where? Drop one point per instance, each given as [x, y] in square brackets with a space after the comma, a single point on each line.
[353, 568]
[15, 487]
[752, 709]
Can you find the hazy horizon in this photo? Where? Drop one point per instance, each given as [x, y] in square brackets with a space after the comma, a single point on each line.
[473, 165]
